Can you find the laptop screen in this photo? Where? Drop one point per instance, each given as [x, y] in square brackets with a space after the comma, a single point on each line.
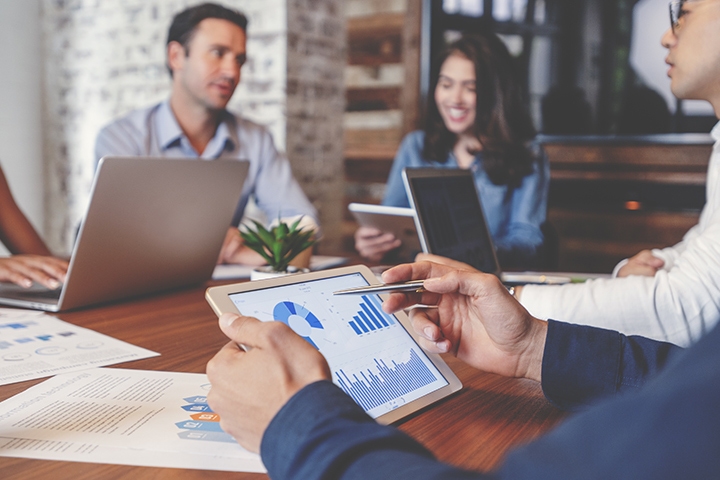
[450, 217]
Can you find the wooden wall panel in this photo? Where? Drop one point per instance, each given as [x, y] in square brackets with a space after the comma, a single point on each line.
[612, 197]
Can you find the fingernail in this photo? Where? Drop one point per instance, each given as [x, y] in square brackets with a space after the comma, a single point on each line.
[442, 346]
[227, 319]
[27, 283]
[428, 331]
[53, 284]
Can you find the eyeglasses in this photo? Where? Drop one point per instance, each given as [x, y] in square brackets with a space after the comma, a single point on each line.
[676, 12]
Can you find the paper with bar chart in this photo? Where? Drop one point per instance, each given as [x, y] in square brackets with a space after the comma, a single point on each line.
[371, 355]
[35, 345]
[126, 417]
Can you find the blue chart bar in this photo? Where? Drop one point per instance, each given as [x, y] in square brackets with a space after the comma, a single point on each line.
[390, 383]
[370, 317]
[17, 326]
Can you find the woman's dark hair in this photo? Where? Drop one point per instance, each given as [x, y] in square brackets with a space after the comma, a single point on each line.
[185, 23]
[502, 120]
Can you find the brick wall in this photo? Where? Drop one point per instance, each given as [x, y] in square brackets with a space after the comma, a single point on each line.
[315, 106]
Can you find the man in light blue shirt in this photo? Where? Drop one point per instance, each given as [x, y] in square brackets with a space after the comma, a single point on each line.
[206, 49]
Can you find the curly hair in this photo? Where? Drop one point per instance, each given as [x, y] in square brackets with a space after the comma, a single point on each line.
[502, 120]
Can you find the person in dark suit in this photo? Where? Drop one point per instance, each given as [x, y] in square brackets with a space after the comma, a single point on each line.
[650, 408]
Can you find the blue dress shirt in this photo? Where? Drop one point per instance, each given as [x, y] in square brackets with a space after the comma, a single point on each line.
[154, 132]
[514, 214]
[662, 421]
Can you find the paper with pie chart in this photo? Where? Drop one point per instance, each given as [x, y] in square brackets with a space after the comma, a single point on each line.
[35, 345]
[371, 355]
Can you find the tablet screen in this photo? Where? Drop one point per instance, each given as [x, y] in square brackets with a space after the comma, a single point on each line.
[371, 355]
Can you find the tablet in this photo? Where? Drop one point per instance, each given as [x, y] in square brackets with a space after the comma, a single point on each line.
[397, 220]
[374, 357]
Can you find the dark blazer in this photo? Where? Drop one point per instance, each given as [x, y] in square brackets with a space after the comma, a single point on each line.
[663, 420]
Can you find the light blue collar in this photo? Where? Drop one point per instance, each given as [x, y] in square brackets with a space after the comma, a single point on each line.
[170, 134]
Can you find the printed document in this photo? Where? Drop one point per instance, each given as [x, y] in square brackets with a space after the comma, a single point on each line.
[35, 345]
[119, 416]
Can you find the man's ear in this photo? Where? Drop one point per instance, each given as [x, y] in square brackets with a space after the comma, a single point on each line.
[175, 56]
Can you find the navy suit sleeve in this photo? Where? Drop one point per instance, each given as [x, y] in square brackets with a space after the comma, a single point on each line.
[582, 364]
[668, 429]
[321, 433]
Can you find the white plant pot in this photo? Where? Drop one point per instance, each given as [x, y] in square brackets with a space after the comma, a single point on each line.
[261, 273]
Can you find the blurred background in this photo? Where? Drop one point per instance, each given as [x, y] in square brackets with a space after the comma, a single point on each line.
[358, 70]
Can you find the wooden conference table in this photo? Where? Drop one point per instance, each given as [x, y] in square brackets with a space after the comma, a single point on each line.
[473, 429]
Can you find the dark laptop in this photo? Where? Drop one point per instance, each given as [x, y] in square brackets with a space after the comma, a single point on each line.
[451, 222]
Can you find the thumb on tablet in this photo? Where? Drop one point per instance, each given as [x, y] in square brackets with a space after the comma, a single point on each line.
[240, 329]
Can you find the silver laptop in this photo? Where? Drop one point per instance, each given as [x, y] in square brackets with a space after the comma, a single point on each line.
[451, 222]
[152, 224]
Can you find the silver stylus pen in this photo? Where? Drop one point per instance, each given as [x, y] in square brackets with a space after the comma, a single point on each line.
[411, 286]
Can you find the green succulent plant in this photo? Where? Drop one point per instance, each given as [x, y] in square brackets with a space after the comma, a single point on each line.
[279, 245]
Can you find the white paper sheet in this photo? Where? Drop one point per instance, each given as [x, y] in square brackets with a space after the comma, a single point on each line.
[317, 262]
[127, 417]
[35, 345]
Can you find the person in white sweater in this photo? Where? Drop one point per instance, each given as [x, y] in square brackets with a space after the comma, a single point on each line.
[672, 294]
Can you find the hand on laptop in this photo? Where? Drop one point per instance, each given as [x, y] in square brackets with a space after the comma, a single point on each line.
[476, 319]
[23, 270]
[644, 263]
[249, 387]
[373, 244]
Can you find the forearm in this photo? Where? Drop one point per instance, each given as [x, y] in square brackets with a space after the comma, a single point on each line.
[582, 364]
[23, 239]
[16, 232]
[677, 306]
[322, 433]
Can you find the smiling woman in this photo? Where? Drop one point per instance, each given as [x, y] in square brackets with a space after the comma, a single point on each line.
[479, 121]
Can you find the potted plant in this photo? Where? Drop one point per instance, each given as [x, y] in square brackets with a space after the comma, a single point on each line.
[278, 246]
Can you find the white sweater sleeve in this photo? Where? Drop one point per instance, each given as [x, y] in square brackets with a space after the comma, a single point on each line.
[677, 305]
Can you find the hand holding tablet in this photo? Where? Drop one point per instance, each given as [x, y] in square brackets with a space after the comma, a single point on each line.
[373, 356]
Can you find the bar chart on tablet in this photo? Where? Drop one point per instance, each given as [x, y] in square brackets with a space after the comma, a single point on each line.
[386, 383]
[370, 317]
